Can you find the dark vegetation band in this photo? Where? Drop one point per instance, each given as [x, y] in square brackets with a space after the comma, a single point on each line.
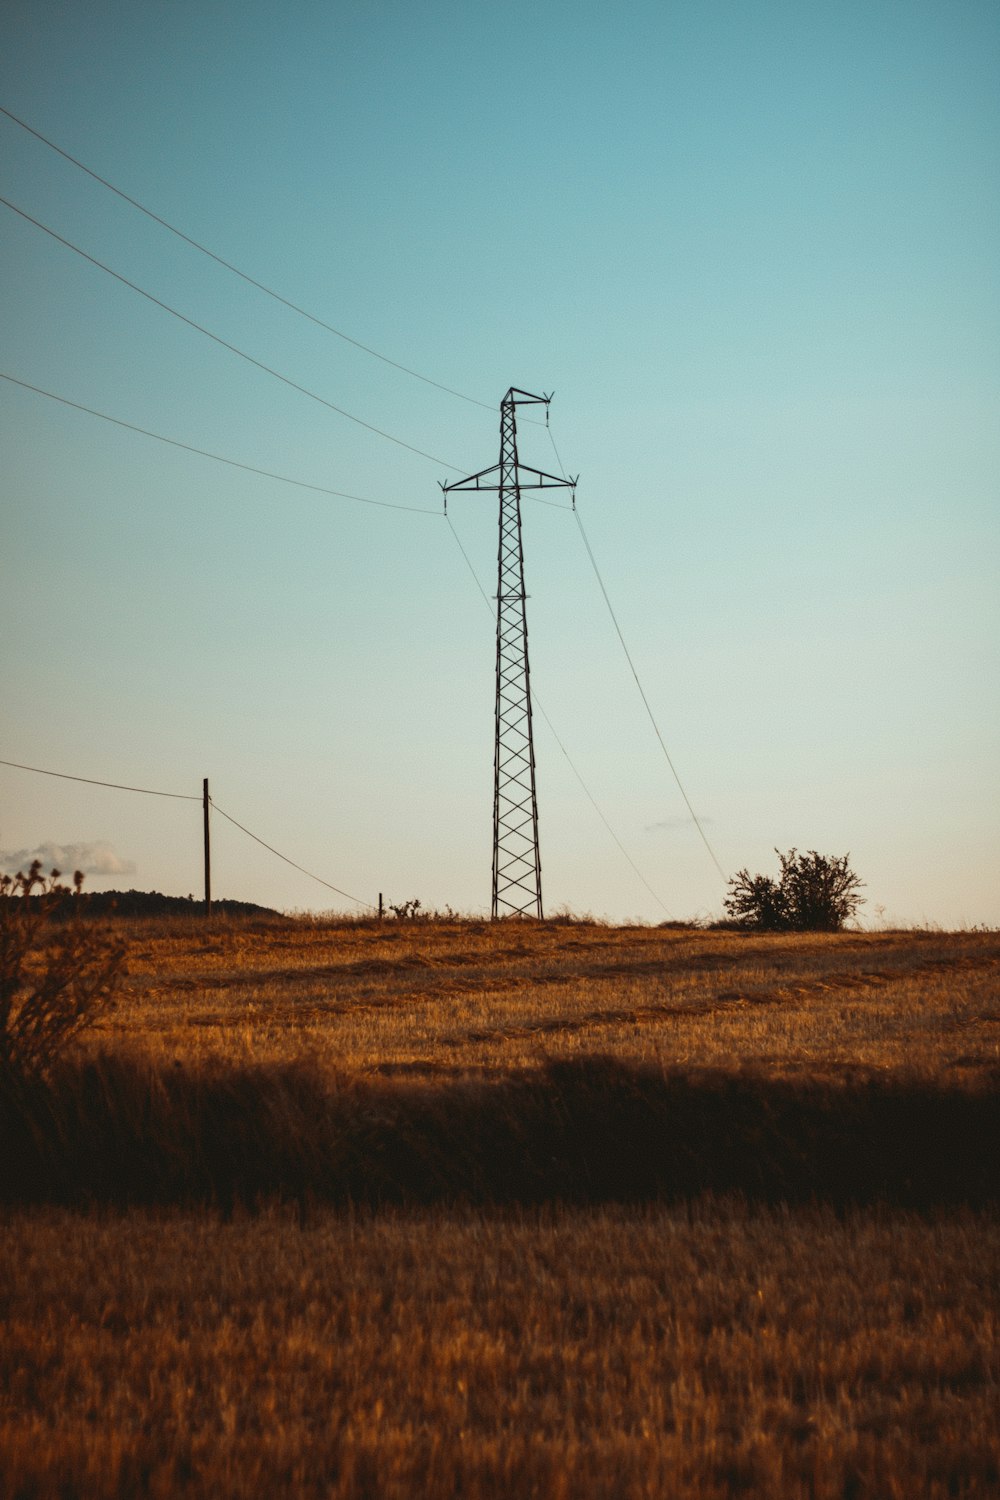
[121, 1131]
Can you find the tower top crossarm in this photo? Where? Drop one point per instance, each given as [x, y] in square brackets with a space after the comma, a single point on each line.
[500, 475]
[516, 397]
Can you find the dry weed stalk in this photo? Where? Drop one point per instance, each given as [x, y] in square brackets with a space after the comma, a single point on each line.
[56, 973]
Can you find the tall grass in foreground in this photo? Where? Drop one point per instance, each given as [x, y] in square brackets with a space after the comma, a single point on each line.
[123, 1131]
[687, 1353]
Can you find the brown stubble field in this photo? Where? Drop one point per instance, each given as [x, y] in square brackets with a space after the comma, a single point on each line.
[686, 1345]
[473, 997]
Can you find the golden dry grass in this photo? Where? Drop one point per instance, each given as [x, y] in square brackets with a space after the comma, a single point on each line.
[455, 998]
[671, 1353]
[704, 1349]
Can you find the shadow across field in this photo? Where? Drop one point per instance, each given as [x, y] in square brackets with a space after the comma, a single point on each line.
[122, 1131]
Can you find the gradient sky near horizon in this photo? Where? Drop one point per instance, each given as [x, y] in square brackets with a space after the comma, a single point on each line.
[755, 252]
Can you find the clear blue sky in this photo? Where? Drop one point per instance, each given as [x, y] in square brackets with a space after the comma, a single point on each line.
[753, 249]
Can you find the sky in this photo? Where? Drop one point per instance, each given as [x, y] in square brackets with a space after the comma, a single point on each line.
[753, 252]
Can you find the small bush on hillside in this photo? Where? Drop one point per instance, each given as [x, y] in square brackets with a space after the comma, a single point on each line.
[55, 976]
[814, 893]
[408, 911]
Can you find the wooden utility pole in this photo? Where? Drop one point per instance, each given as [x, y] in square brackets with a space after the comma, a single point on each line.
[205, 802]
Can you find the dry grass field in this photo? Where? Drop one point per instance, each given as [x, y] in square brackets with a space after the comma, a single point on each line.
[469, 1251]
[457, 998]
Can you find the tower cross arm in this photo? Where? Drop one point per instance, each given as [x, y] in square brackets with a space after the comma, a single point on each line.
[541, 480]
[474, 481]
[526, 478]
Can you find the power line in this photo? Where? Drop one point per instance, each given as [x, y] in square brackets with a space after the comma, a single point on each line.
[642, 694]
[259, 364]
[589, 794]
[553, 504]
[233, 463]
[187, 797]
[468, 563]
[251, 281]
[552, 440]
[356, 899]
[90, 781]
[591, 799]
[628, 657]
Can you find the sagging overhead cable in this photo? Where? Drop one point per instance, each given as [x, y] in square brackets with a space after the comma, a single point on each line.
[224, 343]
[243, 275]
[301, 868]
[628, 657]
[642, 694]
[302, 484]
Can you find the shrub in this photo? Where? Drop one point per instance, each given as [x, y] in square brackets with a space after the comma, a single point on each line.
[407, 911]
[55, 975]
[815, 893]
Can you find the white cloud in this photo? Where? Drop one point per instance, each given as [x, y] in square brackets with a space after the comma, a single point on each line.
[99, 858]
[679, 824]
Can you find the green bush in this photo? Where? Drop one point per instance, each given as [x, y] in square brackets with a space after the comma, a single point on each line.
[814, 893]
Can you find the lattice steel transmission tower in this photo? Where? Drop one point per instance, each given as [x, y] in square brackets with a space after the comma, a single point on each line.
[517, 867]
